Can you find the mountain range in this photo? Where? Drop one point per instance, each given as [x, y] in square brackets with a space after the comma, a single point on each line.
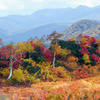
[43, 22]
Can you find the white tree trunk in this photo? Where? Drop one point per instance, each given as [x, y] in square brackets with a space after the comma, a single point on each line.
[10, 75]
[54, 59]
[21, 55]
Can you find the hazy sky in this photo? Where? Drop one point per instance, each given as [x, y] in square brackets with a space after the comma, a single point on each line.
[24, 7]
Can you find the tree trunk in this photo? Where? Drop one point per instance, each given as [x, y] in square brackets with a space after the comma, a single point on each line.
[54, 59]
[21, 55]
[10, 75]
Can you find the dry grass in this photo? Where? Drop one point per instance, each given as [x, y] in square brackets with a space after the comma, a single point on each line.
[22, 93]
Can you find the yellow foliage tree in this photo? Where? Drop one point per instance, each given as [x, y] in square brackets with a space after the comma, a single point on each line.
[18, 75]
[29, 48]
[84, 41]
[73, 38]
[86, 58]
[20, 48]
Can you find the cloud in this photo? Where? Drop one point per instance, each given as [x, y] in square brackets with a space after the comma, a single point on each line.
[21, 7]
[30, 6]
[40, 1]
[75, 3]
[88, 3]
[95, 2]
[12, 1]
[2, 6]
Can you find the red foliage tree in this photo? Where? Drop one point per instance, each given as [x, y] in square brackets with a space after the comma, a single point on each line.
[84, 50]
[9, 52]
[46, 54]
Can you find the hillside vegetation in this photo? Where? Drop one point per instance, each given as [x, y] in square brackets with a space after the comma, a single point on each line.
[66, 70]
[85, 89]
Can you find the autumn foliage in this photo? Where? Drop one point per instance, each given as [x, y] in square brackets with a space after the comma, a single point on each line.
[32, 65]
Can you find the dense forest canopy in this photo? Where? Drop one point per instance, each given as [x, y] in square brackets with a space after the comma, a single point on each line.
[51, 71]
[74, 58]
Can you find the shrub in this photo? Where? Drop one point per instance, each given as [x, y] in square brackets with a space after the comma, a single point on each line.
[33, 70]
[60, 73]
[26, 64]
[5, 72]
[18, 76]
[79, 73]
[72, 65]
[31, 78]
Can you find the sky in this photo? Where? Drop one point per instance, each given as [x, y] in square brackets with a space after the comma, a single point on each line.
[26, 7]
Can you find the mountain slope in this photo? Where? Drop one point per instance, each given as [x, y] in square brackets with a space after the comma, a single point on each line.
[3, 34]
[85, 27]
[38, 32]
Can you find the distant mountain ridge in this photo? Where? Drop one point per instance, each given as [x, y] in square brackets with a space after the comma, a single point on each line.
[40, 31]
[31, 25]
[48, 16]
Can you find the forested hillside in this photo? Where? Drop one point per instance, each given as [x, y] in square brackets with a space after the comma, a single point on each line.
[66, 70]
[85, 27]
